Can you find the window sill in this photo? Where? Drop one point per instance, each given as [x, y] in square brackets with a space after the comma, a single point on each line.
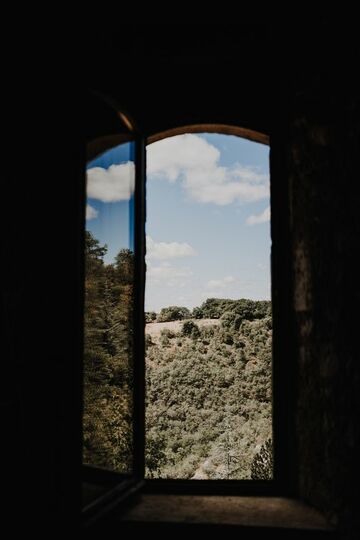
[259, 512]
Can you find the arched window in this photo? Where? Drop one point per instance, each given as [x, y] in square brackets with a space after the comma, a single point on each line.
[234, 417]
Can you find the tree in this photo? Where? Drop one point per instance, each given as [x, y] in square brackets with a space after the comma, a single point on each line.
[155, 456]
[108, 378]
[93, 250]
[124, 264]
[150, 316]
[173, 313]
[190, 329]
[263, 463]
[229, 454]
[198, 313]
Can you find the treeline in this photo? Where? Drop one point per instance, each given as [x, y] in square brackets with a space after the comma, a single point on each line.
[208, 394]
[108, 373]
[213, 308]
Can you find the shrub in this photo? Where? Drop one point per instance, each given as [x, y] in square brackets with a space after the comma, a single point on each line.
[173, 313]
[148, 341]
[198, 313]
[190, 329]
[166, 332]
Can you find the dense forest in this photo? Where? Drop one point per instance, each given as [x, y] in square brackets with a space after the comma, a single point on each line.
[107, 426]
[208, 401]
[208, 380]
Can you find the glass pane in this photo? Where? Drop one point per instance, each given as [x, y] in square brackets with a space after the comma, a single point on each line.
[108, 335]
[208, 309]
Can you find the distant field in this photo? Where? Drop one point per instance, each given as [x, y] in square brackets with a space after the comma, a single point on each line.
[154, 329]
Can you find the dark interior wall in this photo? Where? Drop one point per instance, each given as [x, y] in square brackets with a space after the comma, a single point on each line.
[41, 243]
[298, 84]
[298, 81]
[323, 154]
[174, 75]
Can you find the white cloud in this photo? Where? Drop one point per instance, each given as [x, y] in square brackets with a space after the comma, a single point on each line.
[170, 157]
[195, 162]
[167, 250]
[113, 184]
[259, 218]
[220, 283]
[167, 274]
[91, 212]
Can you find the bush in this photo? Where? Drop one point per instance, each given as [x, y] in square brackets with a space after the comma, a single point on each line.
[166, 332]
[164, 341]
[198, 313]
[173, 313]
[154, 453]
[148, 341]
[228, 338]
[190, 329]
[231, 320]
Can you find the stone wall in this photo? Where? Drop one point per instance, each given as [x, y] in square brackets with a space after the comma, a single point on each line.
[323, 161]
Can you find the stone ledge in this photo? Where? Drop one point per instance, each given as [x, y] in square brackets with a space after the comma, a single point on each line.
[276, 512]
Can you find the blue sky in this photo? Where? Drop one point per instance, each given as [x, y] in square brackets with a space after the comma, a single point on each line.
[208, 230]
[207, 219]
[110, 199]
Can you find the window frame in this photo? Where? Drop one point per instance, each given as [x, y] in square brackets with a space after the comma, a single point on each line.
[115, 487]
[283, 371]
[279, 484]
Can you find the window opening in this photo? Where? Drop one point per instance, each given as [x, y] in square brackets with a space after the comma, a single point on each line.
[208, 310]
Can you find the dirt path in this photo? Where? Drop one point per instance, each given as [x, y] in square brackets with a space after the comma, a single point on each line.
[154, 329]
[200, 473]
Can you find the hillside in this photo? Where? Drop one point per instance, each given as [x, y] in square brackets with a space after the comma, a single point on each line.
[208, 380]
[107, 362]
[208, 411]
[155, 329]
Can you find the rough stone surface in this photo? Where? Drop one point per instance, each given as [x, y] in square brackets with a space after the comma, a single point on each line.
[244, 511]
[323, 157]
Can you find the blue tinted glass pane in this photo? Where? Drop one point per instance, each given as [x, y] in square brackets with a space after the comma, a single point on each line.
[109, 279]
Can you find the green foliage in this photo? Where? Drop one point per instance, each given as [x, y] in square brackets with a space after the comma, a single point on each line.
[164, 340]
[208, 389]
[150, 316]
[263, 463]
[148, 341]
[209, 396]
[214, 308]
[173, 313]
[189, 328]
[228, 338]
[198, 313]
[154, 452]
[166, 332]
[124, 265]
[108, 377]
[231, 320]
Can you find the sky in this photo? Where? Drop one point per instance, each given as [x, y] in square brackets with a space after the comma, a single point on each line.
[207, 228]
[110, 199]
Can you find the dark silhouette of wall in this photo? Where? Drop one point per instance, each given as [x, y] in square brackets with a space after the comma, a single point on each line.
[296, 83]
[323, 149]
